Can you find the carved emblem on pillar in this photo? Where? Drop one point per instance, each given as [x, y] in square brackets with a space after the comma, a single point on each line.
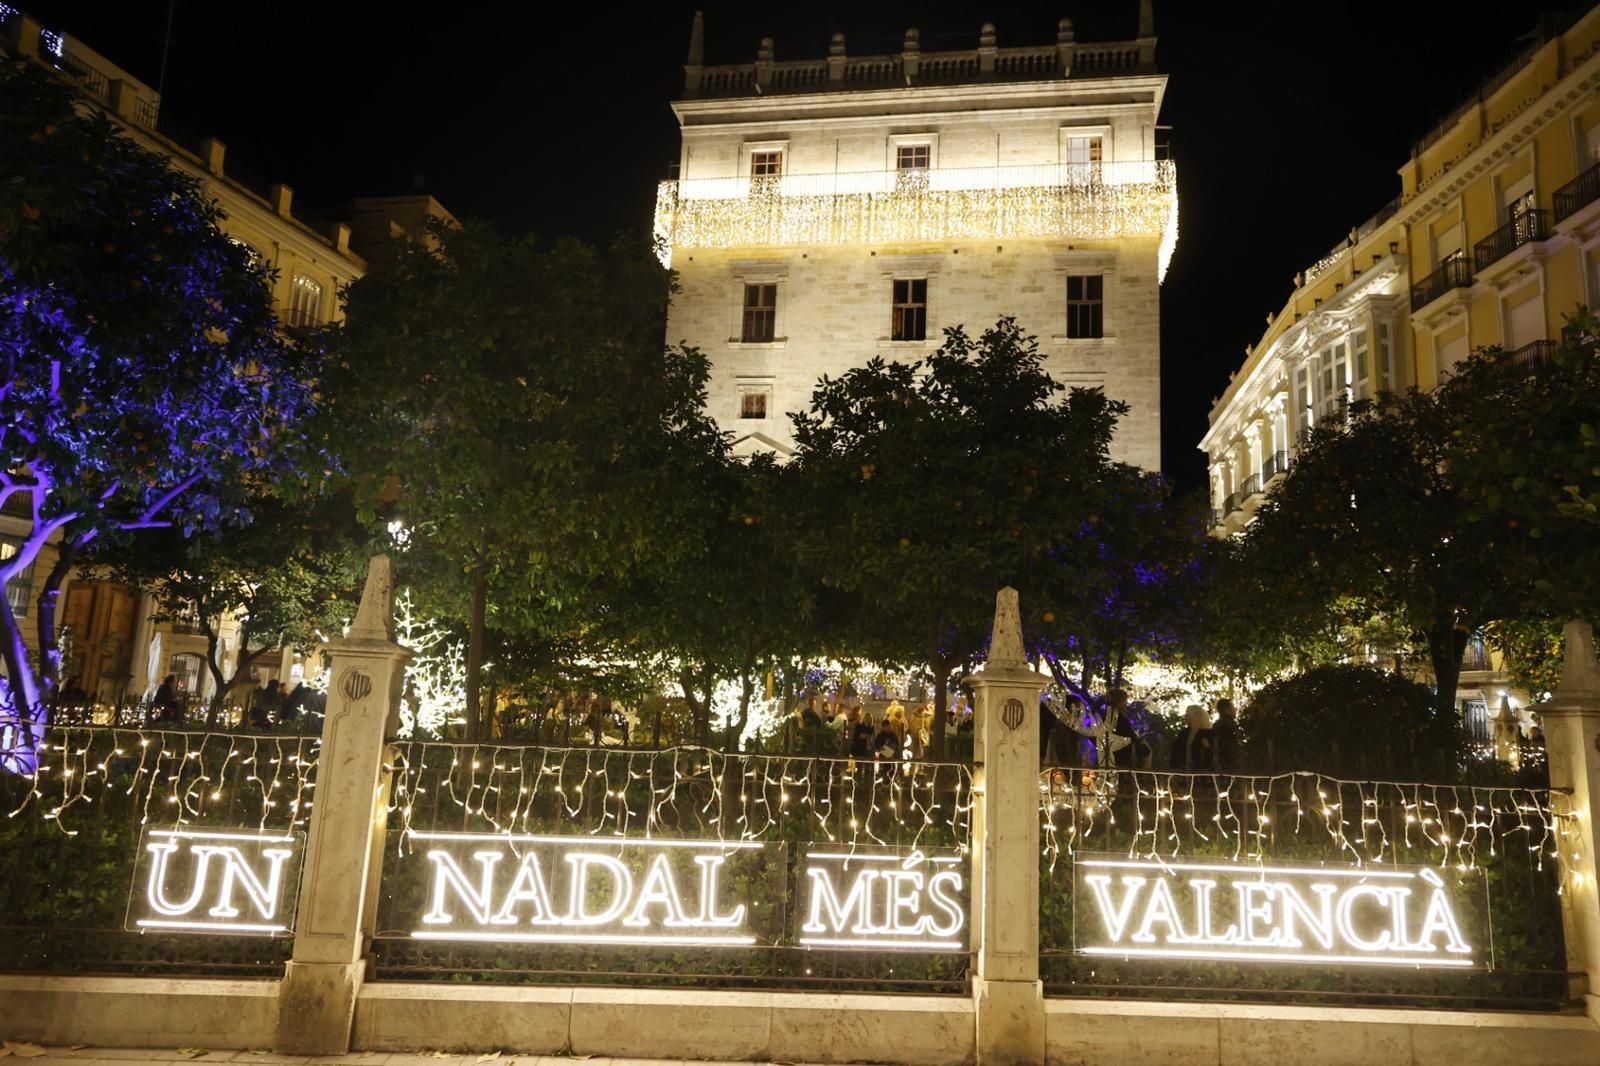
[1012, 713]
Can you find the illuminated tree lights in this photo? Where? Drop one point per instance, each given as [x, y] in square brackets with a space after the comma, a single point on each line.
[1116, 200]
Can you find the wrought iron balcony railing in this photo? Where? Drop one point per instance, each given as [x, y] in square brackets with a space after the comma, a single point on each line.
[1057, 200]
[1535, 355]
[1577, 194]
[1453, 273]
[1250, 487]
[1524, 228]
[1230, 505]
[1275, 464]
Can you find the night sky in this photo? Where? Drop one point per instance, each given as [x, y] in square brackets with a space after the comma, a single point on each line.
[1289, 121]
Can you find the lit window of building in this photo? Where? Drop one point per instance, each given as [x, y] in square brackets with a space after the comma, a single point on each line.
[19, 590]
[766, 164]
[910, 309]
[913, 157]
[305, 302]
[760, 312]
[1085, 305]
[753, 403]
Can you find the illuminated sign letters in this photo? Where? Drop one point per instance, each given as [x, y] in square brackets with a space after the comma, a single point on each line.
[1390, 915]
[203, 881]
[581, 889]
[900, 900]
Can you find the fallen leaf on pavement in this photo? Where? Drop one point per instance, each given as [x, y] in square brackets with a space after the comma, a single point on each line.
[24, 1050]
[490, 1057]
[191, 1052]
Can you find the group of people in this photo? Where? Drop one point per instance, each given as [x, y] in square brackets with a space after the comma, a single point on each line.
[851, 730]
[1072, 734]
[270, 705]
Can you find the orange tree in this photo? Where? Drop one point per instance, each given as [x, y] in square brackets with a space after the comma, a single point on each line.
[923, 488]
[144, 382]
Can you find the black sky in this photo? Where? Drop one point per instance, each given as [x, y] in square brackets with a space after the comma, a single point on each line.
[1289, 119]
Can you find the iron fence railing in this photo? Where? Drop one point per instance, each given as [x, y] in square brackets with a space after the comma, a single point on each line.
[790, 805]
[1453, 273]
[72, 834]
[1577, 194]
[1250, 487]
[1533, 356]
[1275, 464]
[1525, 227]
[1496, 848]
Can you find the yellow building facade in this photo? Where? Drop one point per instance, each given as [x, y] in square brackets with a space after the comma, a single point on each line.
[119, 651]
[1493, 239]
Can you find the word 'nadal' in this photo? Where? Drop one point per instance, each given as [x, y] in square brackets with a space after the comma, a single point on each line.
[566, 889]
[1337, 914]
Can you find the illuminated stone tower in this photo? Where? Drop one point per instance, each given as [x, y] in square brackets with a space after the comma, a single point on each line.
[830, 210]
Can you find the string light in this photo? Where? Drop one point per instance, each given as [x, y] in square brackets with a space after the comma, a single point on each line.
[507, 789]
[1444, 825]
[173, 777]
[1055, 201]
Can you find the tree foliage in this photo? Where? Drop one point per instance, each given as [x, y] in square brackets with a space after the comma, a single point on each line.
[928, 486]
[513, 406]
[143, 380]
[1354, 722]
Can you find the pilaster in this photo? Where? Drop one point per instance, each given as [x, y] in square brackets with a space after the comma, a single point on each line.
[344, 852]
[1572, 743]
[1008, 997]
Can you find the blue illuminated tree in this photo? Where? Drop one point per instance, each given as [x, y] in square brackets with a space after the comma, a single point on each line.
[144, 381]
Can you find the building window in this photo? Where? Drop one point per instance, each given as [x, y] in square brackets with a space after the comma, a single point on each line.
[1085, 305]
[19, 590]
[1082, 150]
[1362, 386]
[760, 312]
[910, 309]
[766, 164]
[1332, 381]
[753, 403]
[305, 302]
[913, 157]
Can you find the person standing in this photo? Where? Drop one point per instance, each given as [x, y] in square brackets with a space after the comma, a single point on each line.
[1225, 738]
[1193, 749]
[165, 706]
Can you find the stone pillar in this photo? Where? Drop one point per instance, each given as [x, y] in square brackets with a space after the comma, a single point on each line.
[836, 58]
[987, 50]
[1008, 996]
[1572, 742]
[338, 890]
[911, 55]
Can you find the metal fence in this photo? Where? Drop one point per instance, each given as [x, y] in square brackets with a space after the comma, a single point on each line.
[72, 831]
[792, 805]
[1500, 841]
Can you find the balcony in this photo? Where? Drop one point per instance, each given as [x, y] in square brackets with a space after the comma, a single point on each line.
[1526, 227]
[1250, 487]
[1533, 356]
[1275, 464]
[1230, 505]
[1453, 273]
[1577, 194]
[1050, 201]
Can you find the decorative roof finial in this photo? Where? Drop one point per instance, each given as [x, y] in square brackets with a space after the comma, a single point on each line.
[697, 41]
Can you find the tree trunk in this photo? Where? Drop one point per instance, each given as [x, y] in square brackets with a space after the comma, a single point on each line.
[49, 600]
[735, 730]
[480, 595]
[214, 665]
[1447, 644]
[941, 703]
[19, 742]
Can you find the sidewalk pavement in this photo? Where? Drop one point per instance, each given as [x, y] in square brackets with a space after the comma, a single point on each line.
[28, 1054]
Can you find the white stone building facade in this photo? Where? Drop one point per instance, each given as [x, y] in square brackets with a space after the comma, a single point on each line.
[828, 211]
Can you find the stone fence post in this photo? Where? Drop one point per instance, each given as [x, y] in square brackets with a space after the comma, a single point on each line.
[1572, 743]
[1008, 997]
[344, 852]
